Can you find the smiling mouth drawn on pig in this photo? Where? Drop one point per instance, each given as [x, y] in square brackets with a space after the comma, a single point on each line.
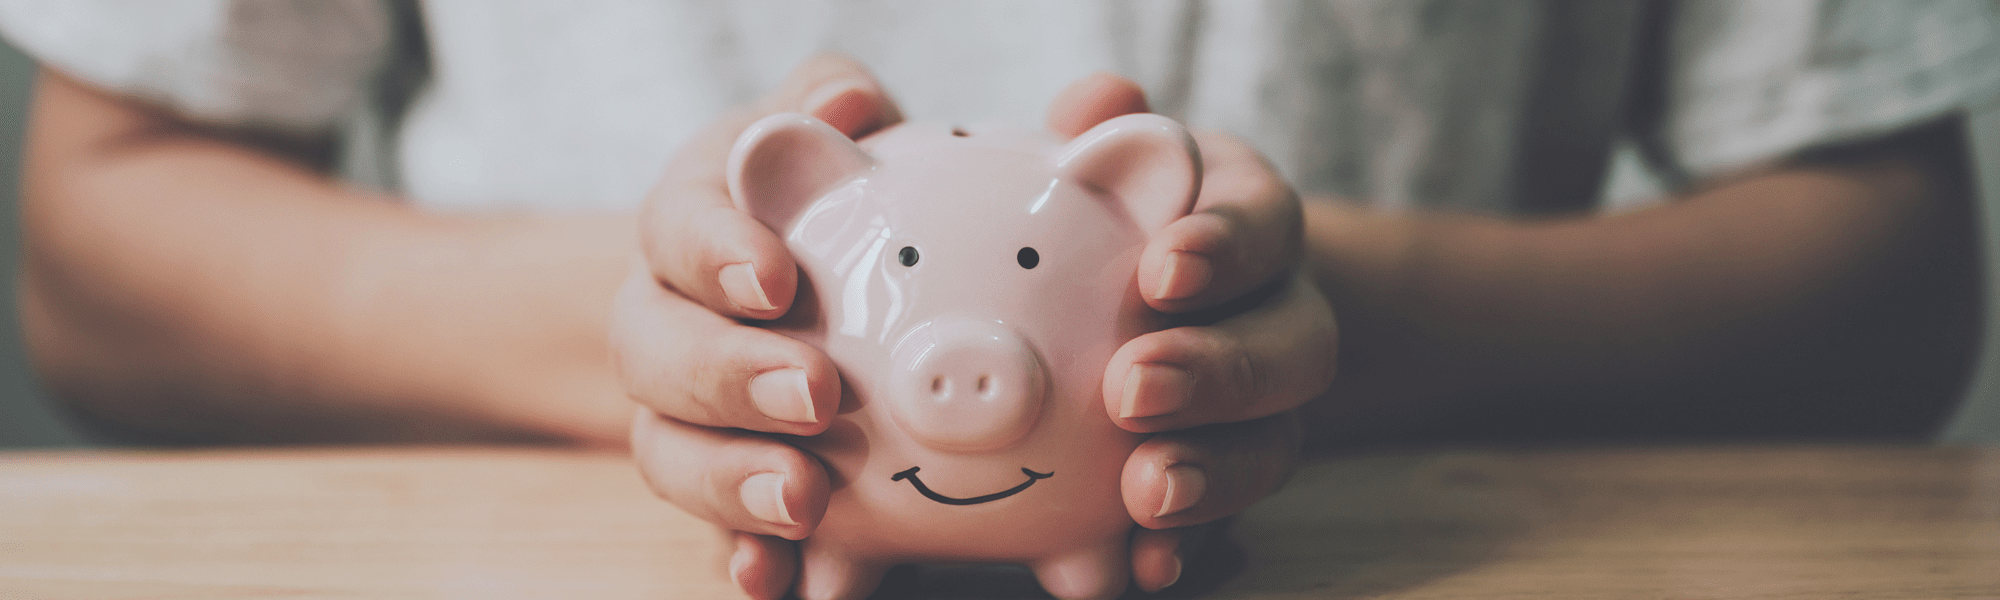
[911, 474]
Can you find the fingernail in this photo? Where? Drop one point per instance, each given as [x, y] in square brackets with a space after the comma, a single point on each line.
[1176, 577]
[1185, 485]
[739, 283]
[829, 100]
[1183, 276]
[1152, 390]
[826, 92]
[764, 496]
[782, 394]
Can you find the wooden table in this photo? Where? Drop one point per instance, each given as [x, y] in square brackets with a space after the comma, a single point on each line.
[1752, 522]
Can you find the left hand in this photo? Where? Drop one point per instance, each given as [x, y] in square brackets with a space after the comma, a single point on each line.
[702, 439]
[1218, 393]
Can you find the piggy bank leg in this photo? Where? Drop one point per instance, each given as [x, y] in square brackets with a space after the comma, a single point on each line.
[828, 573]
[1096, 573]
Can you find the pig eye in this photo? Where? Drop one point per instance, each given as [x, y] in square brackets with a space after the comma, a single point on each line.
[1028, 258]
[907, 256]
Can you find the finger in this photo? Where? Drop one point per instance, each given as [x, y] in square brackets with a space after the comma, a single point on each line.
[694, 238]
[684, 361]
[1094, 99]
[1160, 556]
[1261, 362]
[739, 480]
[1195, 476]
[838, 90]
[1245, 231]
[763, 566]
[1156, 558]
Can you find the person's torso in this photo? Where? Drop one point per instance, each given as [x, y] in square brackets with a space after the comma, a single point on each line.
[1400, 103]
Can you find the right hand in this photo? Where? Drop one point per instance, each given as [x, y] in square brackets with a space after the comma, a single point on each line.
[711, 387]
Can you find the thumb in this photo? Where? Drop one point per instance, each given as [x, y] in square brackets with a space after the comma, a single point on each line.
[838, 90]
[1092, 100]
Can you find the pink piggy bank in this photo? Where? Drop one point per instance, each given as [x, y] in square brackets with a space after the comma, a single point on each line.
[971, 285]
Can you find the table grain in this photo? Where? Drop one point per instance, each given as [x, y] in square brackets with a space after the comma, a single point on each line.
[1766, 522]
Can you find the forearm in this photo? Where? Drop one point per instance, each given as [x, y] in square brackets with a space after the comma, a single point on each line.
[1753, 278]
[1630, 292]
[186, 282]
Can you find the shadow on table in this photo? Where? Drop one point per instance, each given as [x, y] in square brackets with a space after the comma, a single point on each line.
[1219, 562]
[1341, 529]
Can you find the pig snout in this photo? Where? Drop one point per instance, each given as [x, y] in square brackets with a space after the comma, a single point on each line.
[967, 386]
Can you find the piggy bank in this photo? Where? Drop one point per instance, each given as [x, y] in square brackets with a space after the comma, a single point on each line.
[971, 285]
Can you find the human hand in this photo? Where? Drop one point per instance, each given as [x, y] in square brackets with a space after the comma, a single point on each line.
[711, 387]
[1218, 392]
[692, 461]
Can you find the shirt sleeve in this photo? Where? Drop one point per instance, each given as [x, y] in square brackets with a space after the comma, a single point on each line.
[1752, 81]
[291, 66]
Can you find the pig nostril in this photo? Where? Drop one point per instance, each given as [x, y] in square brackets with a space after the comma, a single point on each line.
[966, 386]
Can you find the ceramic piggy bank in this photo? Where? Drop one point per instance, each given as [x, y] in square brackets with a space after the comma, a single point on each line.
[971, 286]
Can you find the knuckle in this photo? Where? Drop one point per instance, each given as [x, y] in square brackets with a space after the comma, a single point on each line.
[1267, 456]
[716, 491]
[1249, 378]
[1205, 230]
[651, 386]
[716, 226]
[697, 391]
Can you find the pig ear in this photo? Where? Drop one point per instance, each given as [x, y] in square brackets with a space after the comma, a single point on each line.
[1146, 163]
[784, 162]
